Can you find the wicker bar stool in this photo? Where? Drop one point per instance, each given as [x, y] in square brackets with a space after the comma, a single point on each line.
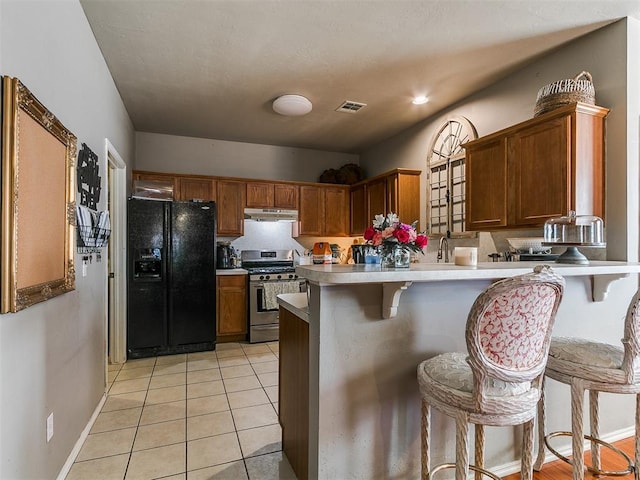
[498, 383]
[596, 367]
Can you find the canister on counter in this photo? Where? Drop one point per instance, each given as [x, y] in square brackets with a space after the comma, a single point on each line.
[322, 253]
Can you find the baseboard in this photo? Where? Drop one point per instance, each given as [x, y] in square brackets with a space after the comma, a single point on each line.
[514, 467]
[83, 436]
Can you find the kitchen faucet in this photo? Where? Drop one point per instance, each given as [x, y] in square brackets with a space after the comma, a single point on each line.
[443, 243]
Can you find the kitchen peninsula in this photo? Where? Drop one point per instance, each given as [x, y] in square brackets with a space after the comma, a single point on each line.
[358, 340]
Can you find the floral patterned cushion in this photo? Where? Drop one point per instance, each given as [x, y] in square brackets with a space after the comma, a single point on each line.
[453, 371]
[585, 352]
[512, 329]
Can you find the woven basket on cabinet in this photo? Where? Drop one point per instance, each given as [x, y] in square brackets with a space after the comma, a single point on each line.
[564, 92]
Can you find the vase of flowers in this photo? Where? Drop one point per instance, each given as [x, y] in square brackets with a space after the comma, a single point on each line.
[395, 240]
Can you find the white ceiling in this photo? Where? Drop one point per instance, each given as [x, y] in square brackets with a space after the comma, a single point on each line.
[211, 68]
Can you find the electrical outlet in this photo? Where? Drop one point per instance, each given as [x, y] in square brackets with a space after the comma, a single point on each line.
[49, 426]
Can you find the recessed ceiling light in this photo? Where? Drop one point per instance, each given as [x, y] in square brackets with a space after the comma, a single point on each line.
[292, 105]
[420, 100]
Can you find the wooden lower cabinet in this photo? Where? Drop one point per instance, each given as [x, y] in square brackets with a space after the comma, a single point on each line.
[293, 391]
[231, 308]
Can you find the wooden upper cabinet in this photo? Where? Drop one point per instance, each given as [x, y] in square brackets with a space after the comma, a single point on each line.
[358, 206]
[231, 200]
[397, 191]
[521, 176]
[260, 195]
[403, 195]
[191, 188]
[377, 198]
[286, 196]
[272, 195]
[486, 185]
[540, 152]
[311, 215]
[165, 178]
[336, 211]
[324, 210]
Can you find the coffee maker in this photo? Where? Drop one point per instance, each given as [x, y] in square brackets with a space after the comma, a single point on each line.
[225, 254]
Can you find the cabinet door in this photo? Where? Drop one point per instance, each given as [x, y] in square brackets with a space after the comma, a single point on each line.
[377, 198]
[336, 211]
[359, 220]
[260, 195]
[157, 177]
[285, 196]
[232, 304]
[196, 189]
[486, 185]
[230, 204]
[311, 210]
[403, 196]
[539, 169]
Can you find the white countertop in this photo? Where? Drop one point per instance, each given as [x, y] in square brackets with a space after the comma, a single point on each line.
[435, 272]
[296, 303]
[231, 271]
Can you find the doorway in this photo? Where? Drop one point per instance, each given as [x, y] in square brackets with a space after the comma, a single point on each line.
[116, 325]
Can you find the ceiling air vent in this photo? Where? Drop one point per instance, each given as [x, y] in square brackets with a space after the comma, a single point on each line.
[350, 107]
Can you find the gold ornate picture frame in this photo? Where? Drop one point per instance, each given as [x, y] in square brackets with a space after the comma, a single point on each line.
[38, 201]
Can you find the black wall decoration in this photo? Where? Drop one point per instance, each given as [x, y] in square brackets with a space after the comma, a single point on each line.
[88, 178]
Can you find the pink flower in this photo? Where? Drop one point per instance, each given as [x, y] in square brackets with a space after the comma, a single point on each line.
[377, 239]
[401, 235]
[421, 241]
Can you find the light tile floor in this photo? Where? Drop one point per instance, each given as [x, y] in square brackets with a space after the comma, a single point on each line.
[198, 416]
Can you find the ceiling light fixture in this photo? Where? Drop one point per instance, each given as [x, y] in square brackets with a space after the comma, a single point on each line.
[420, 100]
[292, 105]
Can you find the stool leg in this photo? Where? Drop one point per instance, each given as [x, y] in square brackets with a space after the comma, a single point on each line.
[577, 400]
[426, 425]
[479, 446]
[636, 470]
[462, 446]
[595, 428]
[541, 421]
[526, 468]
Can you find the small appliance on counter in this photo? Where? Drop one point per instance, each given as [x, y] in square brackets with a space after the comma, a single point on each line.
[322, 253]
[226, 255]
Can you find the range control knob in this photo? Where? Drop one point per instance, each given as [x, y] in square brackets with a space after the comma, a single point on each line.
[267, 277]
[261, 277]
[279, 277]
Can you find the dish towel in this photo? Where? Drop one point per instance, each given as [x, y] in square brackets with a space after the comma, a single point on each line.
[271, 290]
[86, 224]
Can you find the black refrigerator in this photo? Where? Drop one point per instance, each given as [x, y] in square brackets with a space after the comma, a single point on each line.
[171, 287]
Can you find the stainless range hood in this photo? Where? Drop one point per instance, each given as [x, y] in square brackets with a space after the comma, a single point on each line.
[270, 215]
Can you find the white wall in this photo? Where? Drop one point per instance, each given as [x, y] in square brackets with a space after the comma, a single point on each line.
[610, 56]
[176, 154]
[52, 355]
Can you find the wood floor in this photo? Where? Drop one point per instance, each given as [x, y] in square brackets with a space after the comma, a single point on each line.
[559, 470]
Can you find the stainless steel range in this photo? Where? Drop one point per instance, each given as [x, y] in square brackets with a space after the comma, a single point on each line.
[271, 272]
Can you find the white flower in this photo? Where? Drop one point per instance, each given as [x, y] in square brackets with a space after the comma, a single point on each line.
[393, 218]
[378, 222]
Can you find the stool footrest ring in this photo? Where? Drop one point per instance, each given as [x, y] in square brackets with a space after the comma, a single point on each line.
[444, 466]
[595, 471]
